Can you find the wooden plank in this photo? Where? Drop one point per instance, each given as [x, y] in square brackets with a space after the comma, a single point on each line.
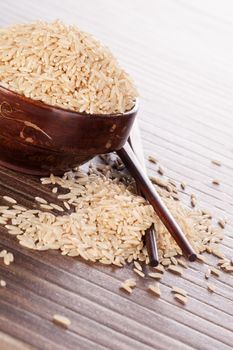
[10, 343]
[179, 54]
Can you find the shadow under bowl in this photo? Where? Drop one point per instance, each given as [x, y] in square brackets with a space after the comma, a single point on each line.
[39, 139]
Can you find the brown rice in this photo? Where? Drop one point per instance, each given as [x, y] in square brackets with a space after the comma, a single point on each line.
[180, 298]
[107, 223]
[2, 283]
[155, 289]
[65, 67]
[61, 320]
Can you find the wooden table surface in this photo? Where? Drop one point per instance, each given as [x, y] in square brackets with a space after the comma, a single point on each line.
[180, 54]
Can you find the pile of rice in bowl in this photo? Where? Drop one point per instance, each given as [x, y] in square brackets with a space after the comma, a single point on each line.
[64, 67]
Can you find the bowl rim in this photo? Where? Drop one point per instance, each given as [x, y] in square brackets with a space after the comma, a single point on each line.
[41, 104]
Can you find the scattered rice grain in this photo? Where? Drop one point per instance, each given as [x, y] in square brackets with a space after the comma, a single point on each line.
[201, 258]
[140, 273]
[207, 274]
[215, 271]
[56, 207]
[179, 291]
[3, 253]
[222, 261]
[155, 289]
[152, 159]
[218, 254]
[10, 199]
[159, 268]
[193, 202]
[216, 162]
[166, 262]
[161, 170]
[229, 268]
[54, 190]
[137, 265]
[19, 207]
[41, 200]
[175, 269]
[46, 206]
[128, 284]
[182, 263]
[155, 275]
[222, 223]
[216, 182]
[183, 185]
[61, 321]
[180, 298]
[209, 249]
[211, 287]
[174, 260]
[66, 204]
[2, 283]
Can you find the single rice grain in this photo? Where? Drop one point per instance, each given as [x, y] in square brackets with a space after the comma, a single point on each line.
[10, 199]
[46, 206]
[182, 263]
[61, 321]
[140, 273]
[56, 207]
[161, 170]
[137, 265]
[2, 283]
[215, 271]
[183, 185]
[41, 200]
[211, 287]
[155, 275]
[155, 289]
[216, 182]
[152, 159]
[175, 269]
[180, 298]
[179, 291]
[216, 162]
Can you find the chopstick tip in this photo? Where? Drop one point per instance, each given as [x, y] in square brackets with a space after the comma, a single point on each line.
[192, 257]
[154, 262]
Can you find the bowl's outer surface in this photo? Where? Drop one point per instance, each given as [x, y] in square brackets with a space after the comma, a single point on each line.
[39, 139]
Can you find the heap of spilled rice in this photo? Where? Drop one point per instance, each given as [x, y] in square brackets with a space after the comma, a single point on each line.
[106, 221]
[98, 216]
[62, 66]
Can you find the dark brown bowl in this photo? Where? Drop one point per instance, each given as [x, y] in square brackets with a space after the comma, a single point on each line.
[38, 139]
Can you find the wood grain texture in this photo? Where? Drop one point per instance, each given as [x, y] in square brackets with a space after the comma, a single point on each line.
[10, 343]
[180, 54]
[38, 139]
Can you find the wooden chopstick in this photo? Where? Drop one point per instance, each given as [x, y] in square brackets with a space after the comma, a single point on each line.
[150, 234]
[130, 160]
[151, 246]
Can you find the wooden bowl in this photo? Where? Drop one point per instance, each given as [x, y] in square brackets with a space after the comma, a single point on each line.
[38, 139]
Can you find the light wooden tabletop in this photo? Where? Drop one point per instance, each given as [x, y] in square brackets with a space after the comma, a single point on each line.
[180, 54]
